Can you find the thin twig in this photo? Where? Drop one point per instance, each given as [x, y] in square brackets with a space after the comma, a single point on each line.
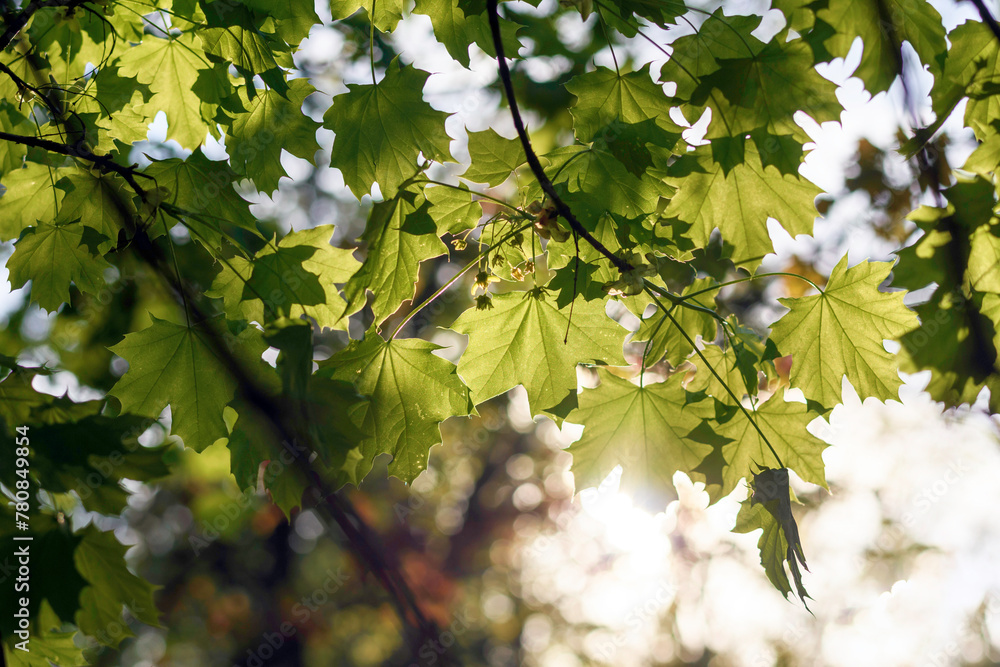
[536, 166]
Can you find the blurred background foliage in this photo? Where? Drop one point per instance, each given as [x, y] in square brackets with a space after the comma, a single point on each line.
[491, 538]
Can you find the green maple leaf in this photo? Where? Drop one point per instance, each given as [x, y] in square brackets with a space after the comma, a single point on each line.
[784, 423]
[882, 27]
[604, 97]
[391, 374]
[400, 234]
[457, 31]
[520, 342]
[382, 128]
[841, 331]
[298, 276]
[102, 202]
[232, 36]
[178, 365]
[593, 181]
[269, 123]
[104, 451]
[12, 122]
[172, 68]
[100, 560]
[958, 343]
[454, 210]
[387, 12]
[971, 70]
[205, 189]
[644, 429]
[114, 108]
[30, 196]
[52, 256]
[663, 337]
[749, 85]
[324, 405]
[738, 201]
[48, 645]
[494, 157]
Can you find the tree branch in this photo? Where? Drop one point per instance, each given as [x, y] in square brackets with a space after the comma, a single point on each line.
[536, 166]
[362, 539]
[21, 18]
[103, 162]
[988, 19]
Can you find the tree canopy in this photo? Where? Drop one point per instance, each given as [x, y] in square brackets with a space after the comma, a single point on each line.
[599, 260]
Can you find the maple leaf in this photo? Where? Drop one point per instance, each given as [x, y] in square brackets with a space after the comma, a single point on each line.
[770, 508]
[400, 234]
[382, 128]
[784, 424]
[98, 558]
[643, 428]
[172, 68]
[458, 31]
[841, 332]
[739, 200]
[204, 188]
[663, 337]
[295, 277]
[883, 27]
[520, 342]
[387, 12]
[30, 196]
[391, 373]
[494, 157]
[176, 365]
[51, 256]
[269, 123]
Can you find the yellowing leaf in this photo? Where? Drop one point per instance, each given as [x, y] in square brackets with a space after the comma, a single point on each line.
[841, 331]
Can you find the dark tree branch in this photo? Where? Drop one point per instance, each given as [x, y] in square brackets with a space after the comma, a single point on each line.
[103, 162]
[362, 539]
[536, 166]
[988, 19]
[20, 19]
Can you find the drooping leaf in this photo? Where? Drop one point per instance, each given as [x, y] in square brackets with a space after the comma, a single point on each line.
[520, 341]
[841, 332]
[457, 31]
[387, 13]
[770, 509]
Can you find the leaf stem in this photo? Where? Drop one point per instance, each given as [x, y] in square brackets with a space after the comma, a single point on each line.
[739, 403]
[737, 281]
[451, 281]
